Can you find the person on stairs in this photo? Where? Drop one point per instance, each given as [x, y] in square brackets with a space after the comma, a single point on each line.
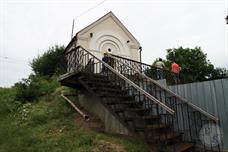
[106, 60]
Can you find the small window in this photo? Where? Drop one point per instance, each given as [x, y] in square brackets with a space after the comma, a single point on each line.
[109, 50]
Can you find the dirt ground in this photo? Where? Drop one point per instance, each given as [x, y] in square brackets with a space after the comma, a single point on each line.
[95, 124]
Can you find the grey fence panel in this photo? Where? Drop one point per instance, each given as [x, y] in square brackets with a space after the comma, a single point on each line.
[212, 96]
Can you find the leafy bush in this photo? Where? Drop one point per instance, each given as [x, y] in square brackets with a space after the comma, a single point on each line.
[27, 90]
[194, 64]
[7, 100]
[48, 63]
[43, 81]
[34, 87]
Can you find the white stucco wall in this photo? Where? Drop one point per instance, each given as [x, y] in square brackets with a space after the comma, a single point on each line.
[108, 34]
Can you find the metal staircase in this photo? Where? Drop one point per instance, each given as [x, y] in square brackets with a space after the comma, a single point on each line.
[149, 111]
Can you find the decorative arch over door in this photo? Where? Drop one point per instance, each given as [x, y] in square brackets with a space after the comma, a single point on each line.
[109, 42]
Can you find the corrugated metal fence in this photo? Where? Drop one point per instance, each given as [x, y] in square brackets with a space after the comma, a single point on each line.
[211, 96]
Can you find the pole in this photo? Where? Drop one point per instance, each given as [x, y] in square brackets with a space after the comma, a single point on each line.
[72, 32]
[140, 58]
[140, 53]
[226, 19]
[86, 117]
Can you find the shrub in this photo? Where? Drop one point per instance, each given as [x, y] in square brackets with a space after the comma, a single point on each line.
[31, 89]
[27, 90]
[7, 101]
[48, 63]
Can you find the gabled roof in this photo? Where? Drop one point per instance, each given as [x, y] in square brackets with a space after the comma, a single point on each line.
[116, 20]
[106, 16]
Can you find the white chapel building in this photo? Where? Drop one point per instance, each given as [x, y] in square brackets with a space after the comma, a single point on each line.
[107, 35]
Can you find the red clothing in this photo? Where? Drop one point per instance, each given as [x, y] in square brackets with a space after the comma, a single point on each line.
[175, 67]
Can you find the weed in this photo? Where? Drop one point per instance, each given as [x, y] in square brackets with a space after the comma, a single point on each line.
[47, 125]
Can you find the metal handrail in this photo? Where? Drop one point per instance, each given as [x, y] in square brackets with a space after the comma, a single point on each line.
[169, 110]
[169, 91]
[144, 64]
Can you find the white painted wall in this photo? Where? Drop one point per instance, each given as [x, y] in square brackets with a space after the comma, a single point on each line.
[108, 34]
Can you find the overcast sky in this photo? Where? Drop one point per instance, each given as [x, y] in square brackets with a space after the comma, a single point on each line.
[28, 27]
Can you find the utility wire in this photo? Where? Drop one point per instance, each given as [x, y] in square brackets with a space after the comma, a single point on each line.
[9, 58]
[83, 13]
[5, 59]
[6, 63]
[88, 10]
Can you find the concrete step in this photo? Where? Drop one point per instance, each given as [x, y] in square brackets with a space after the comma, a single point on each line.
[152, 127]
[102, 85]
[169, 136]
[137, 109]
[165, 137]
[157, 126]
[123, 103]
[116, 96]
[106, 89]
[182, 147]
[150, 117]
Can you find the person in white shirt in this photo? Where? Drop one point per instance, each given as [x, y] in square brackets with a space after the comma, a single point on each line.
[160, 66]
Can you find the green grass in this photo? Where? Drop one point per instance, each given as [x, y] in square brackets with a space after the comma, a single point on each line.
[47, 126]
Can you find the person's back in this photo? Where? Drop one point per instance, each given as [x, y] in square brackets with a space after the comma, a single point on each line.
[175, 67]
[159, 64]
[105, 58]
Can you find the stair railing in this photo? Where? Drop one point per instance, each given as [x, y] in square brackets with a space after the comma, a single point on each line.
[189, 118]
[161, 86]
[185, 118]
[80, 60]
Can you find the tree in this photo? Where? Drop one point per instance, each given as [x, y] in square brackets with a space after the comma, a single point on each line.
[194, 64]
[48, 63]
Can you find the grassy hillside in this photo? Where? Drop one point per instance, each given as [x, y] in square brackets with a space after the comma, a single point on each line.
[47, 125]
